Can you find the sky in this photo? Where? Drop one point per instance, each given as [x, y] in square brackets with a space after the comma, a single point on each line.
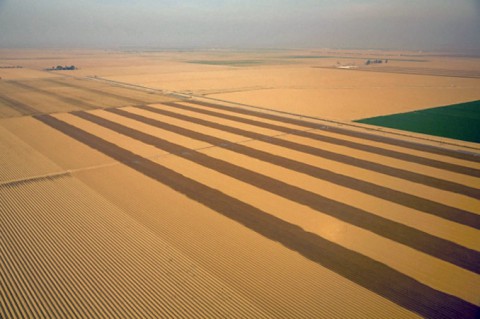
[448, 25]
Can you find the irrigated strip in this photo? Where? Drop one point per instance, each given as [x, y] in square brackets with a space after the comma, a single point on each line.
[428, 206]
[434, 246]
[366, 136]
[360, 269]
[379, 168]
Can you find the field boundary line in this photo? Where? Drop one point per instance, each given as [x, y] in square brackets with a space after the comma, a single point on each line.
[32, 179]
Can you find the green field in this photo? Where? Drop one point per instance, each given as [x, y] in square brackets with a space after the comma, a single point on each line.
[458, 121]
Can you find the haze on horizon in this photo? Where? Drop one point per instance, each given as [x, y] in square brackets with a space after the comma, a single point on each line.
[368, 24]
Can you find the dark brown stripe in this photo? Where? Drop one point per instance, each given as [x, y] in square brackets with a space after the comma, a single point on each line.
[337, 141]
[18, 106]
[65, 99]
[96, 91]
[376, 167]
[360, 269]
[435, 246]
[415, 202]
[347, 132]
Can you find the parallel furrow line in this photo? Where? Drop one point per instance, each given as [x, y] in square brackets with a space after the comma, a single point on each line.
[149, 261]
[53, 253]
[27, 253]
[28, 283]
[6, 299]
[83, 248]
[69, 271]
[128, 271]
[15, 297]
[133, 274]
[77, 277]
[224, 267]
[74, 272]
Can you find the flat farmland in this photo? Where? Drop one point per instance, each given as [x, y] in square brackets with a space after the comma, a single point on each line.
[311, 82]
[125, 202]
[307, 82]
[21, 97]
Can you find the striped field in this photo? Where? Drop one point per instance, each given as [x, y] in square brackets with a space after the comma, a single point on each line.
[194, 209]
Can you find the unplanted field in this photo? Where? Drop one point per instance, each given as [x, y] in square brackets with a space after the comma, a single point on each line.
[345, 94]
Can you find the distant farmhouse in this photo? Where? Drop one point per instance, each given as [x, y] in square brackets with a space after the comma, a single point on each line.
[376, 61]
[62, 68]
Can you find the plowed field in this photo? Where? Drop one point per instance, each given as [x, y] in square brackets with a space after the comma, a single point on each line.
[119, 202]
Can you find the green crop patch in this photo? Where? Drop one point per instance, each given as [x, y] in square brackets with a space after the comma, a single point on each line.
[458, 121]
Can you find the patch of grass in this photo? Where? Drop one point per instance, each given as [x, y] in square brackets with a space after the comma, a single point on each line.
[458, 121]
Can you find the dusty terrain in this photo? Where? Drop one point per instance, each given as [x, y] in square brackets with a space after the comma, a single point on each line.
[183, 184]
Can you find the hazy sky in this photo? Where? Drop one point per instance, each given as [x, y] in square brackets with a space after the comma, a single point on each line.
[404, 24]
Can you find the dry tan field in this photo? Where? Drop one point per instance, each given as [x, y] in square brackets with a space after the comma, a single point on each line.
[183, 184]
[303, 82]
